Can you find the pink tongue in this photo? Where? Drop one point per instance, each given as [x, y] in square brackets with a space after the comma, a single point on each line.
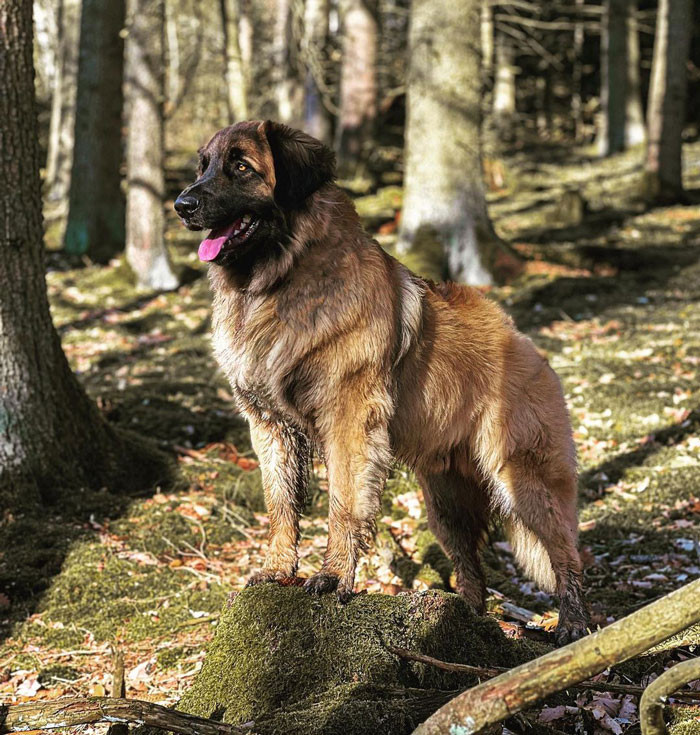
[211, 246]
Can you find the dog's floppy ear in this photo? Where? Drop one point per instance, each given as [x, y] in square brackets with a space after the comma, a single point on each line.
[302, 163]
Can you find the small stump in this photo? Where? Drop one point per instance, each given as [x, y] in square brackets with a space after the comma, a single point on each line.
[292, 663]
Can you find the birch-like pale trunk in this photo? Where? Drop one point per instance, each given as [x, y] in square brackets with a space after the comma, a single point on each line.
[635, 128]
[445, 228]
[236, 73]
[145, 89]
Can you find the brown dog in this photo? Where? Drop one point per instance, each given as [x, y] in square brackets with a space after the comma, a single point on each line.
[330, 343]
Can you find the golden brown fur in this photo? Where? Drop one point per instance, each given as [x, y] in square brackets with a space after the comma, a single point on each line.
[334, 345]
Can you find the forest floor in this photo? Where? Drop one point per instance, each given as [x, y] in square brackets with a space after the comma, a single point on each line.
[611, 296]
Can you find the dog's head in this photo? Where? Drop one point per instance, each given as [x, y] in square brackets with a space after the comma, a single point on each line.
[249, 175]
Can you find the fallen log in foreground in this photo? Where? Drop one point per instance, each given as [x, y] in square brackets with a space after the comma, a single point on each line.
[72, 711]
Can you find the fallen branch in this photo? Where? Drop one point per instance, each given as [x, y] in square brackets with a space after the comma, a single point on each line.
[491, 671]
[511, 692]
[651, 706]
[72, 711]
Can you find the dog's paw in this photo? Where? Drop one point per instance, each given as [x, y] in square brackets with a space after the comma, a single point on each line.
[268, 575]
[344, 592]
[569, 631]
[321, 582]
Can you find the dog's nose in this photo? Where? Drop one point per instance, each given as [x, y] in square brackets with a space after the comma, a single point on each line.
[186, 204]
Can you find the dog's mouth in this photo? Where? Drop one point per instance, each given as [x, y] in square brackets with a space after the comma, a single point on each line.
[222, 239]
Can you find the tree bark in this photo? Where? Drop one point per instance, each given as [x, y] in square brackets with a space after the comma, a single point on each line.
[59, 157]
[288, 90]
[504, 88]
[145, 88]
[577, 74]
[635, 129]
[613, 82]
[236, 73]
[96, 212]
[74, 711]
[358, 83]
[667, 97]
[525, 685]
[51, 435]
[317, 118]
[445, 228]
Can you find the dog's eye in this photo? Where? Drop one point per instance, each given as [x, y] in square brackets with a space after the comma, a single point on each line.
[240, 166]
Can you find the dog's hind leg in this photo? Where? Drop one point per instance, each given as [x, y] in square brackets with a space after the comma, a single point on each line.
[283, 453]
[539, 500]
[458, 514]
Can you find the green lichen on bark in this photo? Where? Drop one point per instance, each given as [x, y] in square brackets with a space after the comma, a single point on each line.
[294, 663]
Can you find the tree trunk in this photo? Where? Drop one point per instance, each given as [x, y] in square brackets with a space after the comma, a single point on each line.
[145, 87]
[613, 70]
[635, 130]
[577, 74]
[445, 228]
[667, 96]
[288, 90]
[504, 88]
[96, 213]
[236, 73]
[59, 157]
[51, 435]
[317, 118]
[358, 83]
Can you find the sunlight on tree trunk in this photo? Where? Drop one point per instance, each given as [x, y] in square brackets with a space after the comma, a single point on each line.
[59, 158]
[667, 96]
[613, 77]
[445, 228]
[504, 88]
[358, 83]
[145, 218]
[577, 75]
[317, 118]
[96, 212]
[635, 129]
[288, 90]
[236, 73]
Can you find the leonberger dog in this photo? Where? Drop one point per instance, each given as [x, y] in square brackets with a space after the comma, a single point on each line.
[331, 345]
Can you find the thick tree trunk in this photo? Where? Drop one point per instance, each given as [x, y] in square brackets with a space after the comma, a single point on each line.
[358, 83]
[236, 73]
[51, 435]
[59, 157]
[613, 70]
[635, 129]
[445, 228]
[667, 96]
[145, 86]
[317, 118]
[96, 213]
[504, 88]
[288, 90]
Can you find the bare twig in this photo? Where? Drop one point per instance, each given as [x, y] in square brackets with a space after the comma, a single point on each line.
[489, 672]
[118, 691]
[651, 706]
[71, 711]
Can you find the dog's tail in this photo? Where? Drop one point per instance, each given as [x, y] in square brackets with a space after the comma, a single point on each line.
[531, 555]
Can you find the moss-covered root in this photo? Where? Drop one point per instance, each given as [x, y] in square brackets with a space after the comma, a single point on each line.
[298, 664]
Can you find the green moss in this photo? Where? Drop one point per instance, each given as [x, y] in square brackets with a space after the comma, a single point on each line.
[276, 650]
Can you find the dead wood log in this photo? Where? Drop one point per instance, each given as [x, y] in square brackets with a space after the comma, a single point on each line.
[511, 692]
[651, 706]
[72, 711]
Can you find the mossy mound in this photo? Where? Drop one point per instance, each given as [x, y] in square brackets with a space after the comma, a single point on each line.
[293, 663]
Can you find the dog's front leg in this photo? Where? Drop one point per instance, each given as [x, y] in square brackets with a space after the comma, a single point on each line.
[358, 458]
[283, 453]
